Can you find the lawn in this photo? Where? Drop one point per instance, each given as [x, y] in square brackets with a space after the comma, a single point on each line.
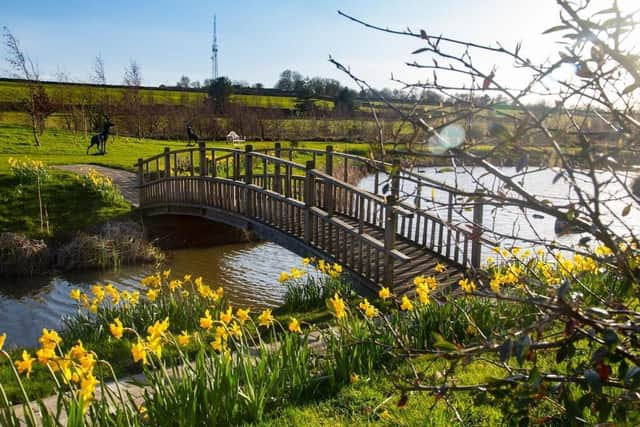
[58, 148]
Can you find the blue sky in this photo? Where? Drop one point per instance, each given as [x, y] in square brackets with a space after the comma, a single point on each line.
[259, 39]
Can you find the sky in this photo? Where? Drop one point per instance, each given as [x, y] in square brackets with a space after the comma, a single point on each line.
[257, 40]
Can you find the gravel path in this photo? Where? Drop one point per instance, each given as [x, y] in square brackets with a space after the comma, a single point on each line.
[125, 181]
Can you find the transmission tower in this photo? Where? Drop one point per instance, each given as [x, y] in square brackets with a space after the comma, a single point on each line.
[214, 52]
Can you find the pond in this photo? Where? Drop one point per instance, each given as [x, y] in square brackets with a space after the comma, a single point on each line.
[248, 272]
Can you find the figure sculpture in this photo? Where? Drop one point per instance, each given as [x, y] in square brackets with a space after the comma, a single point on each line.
[100, 140]
[193, 137]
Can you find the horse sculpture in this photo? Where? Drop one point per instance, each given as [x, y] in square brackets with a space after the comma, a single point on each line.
[100, 140]
[193, 137]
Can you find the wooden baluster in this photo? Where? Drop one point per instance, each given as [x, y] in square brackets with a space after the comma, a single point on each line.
[203, 159]
[214, 166]
[328, 158]
[376, 182]
[141, 196]
[236, 166]
[287, 181]
[328, 169]
[476, 247]
[248, 177]
[346, 170]
[265, 183]
[167, 162]
[277, 184]
[390, 226]
[449, 219]
[309, 192]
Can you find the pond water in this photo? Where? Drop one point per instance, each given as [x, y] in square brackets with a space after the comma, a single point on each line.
[249, 272]
[511, 220]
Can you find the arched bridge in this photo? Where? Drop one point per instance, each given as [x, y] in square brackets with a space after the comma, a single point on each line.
[377, 238]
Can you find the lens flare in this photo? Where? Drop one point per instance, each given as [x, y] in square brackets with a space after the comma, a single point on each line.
[449, 137]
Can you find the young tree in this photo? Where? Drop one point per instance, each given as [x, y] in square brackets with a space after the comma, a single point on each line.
[131, 97]
[344, 102]
[184, 82]
[37, 104]
[219, 93]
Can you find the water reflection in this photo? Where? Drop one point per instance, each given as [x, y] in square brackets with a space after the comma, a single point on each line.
[248, 272]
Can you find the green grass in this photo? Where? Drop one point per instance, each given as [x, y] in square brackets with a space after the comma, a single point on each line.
[63, 196]
[364, 403]
[75, 93]
[58, 148]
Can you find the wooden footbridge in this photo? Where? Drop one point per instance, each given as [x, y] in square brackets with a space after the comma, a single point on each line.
[377, 238]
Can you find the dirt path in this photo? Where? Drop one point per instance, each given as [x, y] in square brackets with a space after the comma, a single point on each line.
[124, 180]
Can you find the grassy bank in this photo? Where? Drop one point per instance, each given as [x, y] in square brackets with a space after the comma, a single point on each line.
[362, 374]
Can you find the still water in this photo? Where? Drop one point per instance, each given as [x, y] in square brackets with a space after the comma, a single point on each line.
[525, 224]
[248, 272]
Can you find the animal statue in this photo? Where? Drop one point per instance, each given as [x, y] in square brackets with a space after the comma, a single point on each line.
[193, 137]
[100, 140]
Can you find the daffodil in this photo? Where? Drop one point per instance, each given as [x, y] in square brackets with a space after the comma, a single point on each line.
[283, 277]
[152, 294]
[369, 310]
[384, 293]
[338, 306]
[25, 364]
[3, 338]
[49, 338]
[440, 268]
[467, 285]
[226, 316]
[139, 353]
[265, 318]
[184, 338]
[116, 328]
[75, 294]
[158, 329]
[45, 354]
[294, 325]
[88, 385]
[206, 322]
[406, 304]
[242, 315]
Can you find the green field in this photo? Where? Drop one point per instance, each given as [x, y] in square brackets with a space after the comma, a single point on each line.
[75, 93]
[58, 148]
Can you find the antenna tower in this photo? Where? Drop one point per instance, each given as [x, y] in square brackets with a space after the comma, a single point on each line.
[214, 52]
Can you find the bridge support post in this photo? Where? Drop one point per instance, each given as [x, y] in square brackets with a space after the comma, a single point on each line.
[203, 159]
[140, 180]
[328, 190]
[395, 179]
[309, 200]
[248, 179]
[476, 247]
[167, 162]
[277, 180]
[390, 227]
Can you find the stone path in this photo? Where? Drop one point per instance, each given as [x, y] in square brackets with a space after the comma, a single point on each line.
[125, 181]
